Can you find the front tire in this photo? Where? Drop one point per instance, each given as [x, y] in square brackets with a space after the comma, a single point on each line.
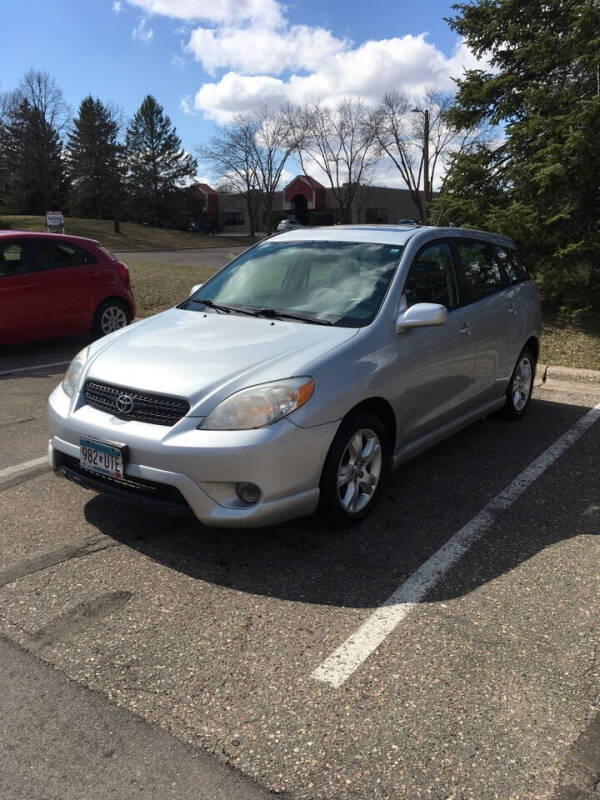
[354, 469]
[520, 388]
[111, 315]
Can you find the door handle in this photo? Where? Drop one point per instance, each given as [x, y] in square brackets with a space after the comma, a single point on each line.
[92, 274]
[466, 329]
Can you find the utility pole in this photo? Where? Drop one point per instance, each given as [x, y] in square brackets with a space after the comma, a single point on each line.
[426, 163]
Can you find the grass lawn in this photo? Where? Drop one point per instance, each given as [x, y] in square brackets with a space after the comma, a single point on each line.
[160, 286]
[572, 346]
[132, 236]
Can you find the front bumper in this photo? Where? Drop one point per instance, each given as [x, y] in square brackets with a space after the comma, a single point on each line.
[284, 460]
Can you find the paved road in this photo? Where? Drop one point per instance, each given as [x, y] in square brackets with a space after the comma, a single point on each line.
[203, 257]
[487, 689]
[61, 741]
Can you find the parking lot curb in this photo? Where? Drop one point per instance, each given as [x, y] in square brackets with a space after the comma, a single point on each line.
[548, 372]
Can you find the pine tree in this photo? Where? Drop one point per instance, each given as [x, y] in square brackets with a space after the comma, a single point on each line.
[542, 181]
[93, 161]
[36, 179]
[156, 163]
[34, 116]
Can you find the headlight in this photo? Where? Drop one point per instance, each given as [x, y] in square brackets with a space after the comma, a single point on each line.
[259, 405]
[73, 373]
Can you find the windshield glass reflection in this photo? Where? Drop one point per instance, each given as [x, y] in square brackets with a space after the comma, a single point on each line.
[342, 282]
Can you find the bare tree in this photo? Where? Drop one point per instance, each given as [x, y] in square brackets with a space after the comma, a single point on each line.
[250, 155]
[45, 98]
[230, 156]
[341, 143]
[275, 139]
[420, 141]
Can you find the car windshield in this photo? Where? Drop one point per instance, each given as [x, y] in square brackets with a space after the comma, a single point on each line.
[342, 283]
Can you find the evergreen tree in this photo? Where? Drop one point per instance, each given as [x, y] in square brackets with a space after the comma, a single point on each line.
[156, 163]
[93, 160]
[36, 174]
[34, 116]
[542, 182]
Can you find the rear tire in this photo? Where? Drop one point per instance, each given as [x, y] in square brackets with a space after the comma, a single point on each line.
[111, 315]
[354, 470]
[520, 388]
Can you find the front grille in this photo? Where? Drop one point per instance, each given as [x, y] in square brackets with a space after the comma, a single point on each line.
[158, 409]
[135, 488]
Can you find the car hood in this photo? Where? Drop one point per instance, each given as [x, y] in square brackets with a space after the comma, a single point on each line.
[205, 357]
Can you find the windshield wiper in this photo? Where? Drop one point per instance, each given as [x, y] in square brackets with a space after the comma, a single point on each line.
[273, 313]
[219, 307]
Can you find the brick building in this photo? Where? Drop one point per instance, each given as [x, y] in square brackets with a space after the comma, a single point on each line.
[308, 201]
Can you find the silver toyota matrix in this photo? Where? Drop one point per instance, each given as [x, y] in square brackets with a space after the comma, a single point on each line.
[302, 372]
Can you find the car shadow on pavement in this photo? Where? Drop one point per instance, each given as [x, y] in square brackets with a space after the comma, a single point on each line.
[423, 504]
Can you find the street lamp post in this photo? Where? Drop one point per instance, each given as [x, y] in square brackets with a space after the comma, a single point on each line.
[425, 158]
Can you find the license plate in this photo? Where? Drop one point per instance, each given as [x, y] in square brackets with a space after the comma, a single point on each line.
[107, 459]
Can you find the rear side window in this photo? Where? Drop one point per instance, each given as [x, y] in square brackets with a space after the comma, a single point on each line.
[57, 255]
[481, 269]
[431, 277]
[13, 258]
[511, 263]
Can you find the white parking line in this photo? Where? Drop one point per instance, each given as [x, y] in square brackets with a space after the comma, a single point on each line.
[34, 366]
[340, 665]
[10, 474]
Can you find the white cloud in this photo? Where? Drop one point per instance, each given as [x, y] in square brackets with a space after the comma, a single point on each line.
[259, 49]
[186, 106]
[142, 33]
[259, 59]
[219, 11]
[116, 7]
[410, 64]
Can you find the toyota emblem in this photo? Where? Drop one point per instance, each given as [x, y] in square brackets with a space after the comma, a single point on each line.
[125, 403]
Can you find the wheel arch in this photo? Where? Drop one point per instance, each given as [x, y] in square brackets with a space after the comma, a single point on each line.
[382, 409]
[533, 344]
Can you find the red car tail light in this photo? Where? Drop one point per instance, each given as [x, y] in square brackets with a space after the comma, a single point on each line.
[124, 273]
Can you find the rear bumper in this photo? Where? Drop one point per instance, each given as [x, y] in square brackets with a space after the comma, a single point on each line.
[203, 467]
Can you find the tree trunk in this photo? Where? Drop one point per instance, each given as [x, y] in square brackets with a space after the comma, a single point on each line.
[250, 214]
[117, 226]
[268, 201]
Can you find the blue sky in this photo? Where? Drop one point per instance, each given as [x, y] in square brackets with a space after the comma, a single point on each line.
[206, 59]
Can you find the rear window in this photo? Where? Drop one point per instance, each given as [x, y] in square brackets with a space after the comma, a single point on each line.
[512, 265]
[481, 269]
[57, 255]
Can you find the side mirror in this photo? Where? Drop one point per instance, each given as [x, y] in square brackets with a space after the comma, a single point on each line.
[421, 315]
[195, 288]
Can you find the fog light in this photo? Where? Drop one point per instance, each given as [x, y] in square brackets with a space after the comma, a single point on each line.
[248, 492]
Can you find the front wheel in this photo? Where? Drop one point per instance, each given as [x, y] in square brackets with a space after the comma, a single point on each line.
[520, 387]
[111, 315]
[353, 471]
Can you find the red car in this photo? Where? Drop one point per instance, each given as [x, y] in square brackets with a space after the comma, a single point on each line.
[55, 285]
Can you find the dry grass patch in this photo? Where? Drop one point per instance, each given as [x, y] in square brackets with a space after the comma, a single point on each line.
[576, 345]
[132, 236]
[160, 286]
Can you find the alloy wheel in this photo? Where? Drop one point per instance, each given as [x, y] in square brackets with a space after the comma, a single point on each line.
[522, 382]
[359, 470]
[112, 319]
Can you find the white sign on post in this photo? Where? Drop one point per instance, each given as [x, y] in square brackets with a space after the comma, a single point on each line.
[55, 221]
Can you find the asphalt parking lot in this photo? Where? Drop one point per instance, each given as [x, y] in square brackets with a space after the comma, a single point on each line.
[486, 685]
